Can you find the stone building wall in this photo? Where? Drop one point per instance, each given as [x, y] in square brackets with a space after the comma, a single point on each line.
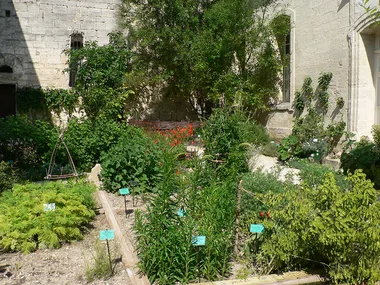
[34, 33]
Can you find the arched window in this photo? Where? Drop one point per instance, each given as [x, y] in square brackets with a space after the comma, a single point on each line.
[76, 42]
[6, 69]
[282, 31]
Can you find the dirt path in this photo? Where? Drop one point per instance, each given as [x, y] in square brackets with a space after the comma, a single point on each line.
[65, 265]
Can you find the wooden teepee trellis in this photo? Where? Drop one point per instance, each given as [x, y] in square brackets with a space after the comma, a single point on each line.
[50, 175]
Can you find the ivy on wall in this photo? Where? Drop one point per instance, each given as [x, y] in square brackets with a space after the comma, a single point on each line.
[37, 102]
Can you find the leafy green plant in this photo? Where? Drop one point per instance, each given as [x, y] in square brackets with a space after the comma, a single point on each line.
[25, 226]
[99, 79]
[134, 158]
[340, 102]
[88, 140]
[7, 178]
[290, 146]
[270, 149]
[323, 84]
[328, 226]
[26, 144]
[227, 129]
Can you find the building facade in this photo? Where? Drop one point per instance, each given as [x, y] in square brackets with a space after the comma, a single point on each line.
[34, 34]
[336, 36]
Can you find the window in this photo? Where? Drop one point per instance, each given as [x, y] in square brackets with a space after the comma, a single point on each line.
[282, 31]
[7, 13]
[286, 70]
[76, 42]
[6, 69]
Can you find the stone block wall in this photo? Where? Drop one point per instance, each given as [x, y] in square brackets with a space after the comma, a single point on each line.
[33, 37]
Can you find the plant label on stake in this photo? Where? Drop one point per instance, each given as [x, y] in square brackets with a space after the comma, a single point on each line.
[256, 229]
[181, 212]
[49, 207]
[107, 235]
[124, 192]
[198, 241]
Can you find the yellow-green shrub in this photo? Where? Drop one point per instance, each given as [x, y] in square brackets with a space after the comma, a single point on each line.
[25, 226]
[326, 226]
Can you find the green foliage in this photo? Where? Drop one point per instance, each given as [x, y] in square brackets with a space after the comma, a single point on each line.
[326, 226]
[339, 102]
[134, 158]
[364, 156]
[88, 140]
[204, 50]
[323, 84]
[35, 102]
[289, 147]
[26, 144]
[310, 137]
[7, 177]
[100, 74]
[226, 129]
[164, 238]
[25, 226]
[99, 266]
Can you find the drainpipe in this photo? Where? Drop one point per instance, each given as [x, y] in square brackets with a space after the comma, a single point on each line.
[350, 39]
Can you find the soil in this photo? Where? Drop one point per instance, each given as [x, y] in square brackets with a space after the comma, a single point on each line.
[67, 265]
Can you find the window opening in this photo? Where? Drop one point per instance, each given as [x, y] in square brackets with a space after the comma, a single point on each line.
[76, 43]
[6, 69]
[7, 13]
[282, 31]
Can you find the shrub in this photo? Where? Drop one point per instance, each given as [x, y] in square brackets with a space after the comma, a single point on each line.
[225, 130]
[25, 226]
[6, 177]
[134, 158]
[26, 144]
[366, 156]
[326, 226]
[88, 140]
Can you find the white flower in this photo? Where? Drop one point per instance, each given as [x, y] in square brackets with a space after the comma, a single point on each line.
[315, 140]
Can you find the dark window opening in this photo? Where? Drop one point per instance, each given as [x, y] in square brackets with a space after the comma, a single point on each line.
[7, 100]
[6, 69]
[282, 31]
[7, 13]
[76, 42]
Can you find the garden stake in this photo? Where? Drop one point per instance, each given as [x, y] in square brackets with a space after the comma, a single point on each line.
[125, 192]
[198, 241]
[199, 266]
[109, 255]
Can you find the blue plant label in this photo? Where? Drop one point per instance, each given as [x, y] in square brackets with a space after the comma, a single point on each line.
[107, 235]
[198, 240]
[256, 228]
[181, 212]
[49, 207]
[124, 191]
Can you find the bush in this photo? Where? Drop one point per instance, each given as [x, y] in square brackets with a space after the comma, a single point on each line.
[6, 177]
[326, 226]
[366, 156]
[134, 158]
[25, 226]
[88, 140]
[26, 144]
[225, 130]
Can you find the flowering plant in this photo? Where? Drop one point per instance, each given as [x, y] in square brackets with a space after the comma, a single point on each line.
[178, 135]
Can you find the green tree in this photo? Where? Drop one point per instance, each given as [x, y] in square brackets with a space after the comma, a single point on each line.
[100, 76]
[204, 50]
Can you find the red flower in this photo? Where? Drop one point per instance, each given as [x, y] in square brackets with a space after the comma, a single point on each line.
[262, 214]
[177, 172]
